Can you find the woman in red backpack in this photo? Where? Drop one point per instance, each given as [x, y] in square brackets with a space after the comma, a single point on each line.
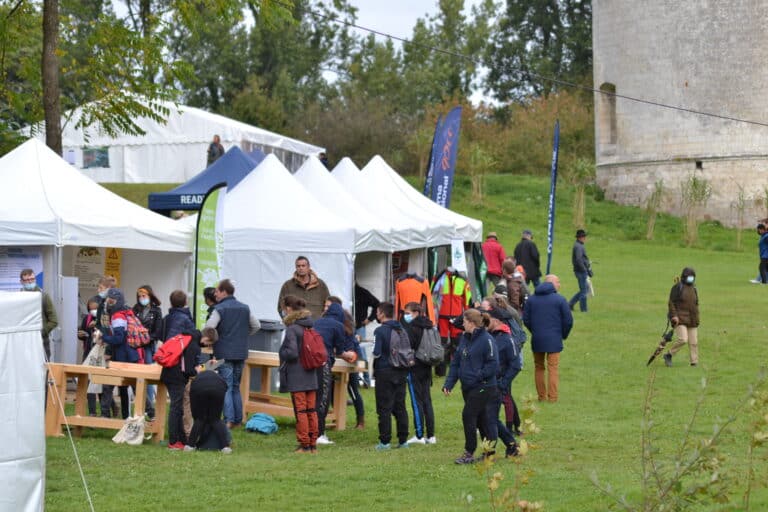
[301, 383]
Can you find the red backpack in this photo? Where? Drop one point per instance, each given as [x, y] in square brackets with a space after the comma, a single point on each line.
[312, 353]
[137, 335]
[170, 353]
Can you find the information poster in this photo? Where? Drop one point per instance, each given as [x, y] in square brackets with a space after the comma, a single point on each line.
[13, 260]
[112, 263]
[89, 267]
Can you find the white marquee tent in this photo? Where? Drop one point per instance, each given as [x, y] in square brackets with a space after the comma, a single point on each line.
[168, 153]
[269, 220]
[47, 205]
[22, 394]
[377, 170]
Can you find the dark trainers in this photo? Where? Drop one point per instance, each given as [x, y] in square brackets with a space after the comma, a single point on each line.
[466, 458]
[668, 359]
[512, 450]
[302, 449]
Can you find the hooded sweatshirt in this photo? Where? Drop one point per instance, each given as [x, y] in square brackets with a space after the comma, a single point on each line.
[293, 376]
[331, 328]
[548, 317]
[509, 360]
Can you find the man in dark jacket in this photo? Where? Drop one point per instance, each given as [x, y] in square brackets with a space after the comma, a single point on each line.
[390, 381]
[234, 322]
[549, 319]
[684, 316]
[331, 328]
[582, 268]
[527, 255]
[419, 377]
[365, 301]
[50, 319]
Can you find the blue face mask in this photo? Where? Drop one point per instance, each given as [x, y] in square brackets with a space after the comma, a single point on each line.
[29, 286]
[103, 294]
[407, 318]
[144, 301]
[690, 279]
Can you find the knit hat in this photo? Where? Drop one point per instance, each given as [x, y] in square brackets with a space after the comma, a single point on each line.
[117, 295]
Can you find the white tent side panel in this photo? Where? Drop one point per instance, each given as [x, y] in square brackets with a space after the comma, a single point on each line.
[259, 275]
[22, 395]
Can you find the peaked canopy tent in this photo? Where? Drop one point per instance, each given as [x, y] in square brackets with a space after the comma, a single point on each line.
[268, 221]
[49, 207]
[231, 168]
[168, 153]
[466, 228]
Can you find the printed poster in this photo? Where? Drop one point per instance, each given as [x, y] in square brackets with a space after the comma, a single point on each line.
[15, 259]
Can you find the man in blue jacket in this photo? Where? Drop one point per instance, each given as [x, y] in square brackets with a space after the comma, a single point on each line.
[331, 327]
[763, 246]
[548, 316]
[234, 322]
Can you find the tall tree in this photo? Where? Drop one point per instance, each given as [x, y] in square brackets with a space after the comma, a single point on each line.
[50, 75]
[535, 39]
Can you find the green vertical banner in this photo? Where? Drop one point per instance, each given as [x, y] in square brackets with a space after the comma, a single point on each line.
[209, 247]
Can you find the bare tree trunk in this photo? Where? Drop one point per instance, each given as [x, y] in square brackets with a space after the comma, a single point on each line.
[50, 75]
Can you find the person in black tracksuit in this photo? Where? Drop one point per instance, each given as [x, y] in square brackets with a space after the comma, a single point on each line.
[390, 381]
[175, 379]
[419, 377]
[475, 363]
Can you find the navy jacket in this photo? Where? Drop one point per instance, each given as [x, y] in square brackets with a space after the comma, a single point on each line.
[509, 360]
[331, 328]
[177, 321]
[548, 317]
[233, 330]
[475, 363]
[381, 345]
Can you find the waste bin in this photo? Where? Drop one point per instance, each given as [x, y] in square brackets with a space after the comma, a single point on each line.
[267, 339]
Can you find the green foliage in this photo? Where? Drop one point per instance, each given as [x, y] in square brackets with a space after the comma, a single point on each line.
[652, 207]
[695, 192]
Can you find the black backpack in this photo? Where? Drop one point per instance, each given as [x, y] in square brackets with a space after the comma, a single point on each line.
[401, 354]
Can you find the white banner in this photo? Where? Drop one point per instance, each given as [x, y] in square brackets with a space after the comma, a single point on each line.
[458, 257]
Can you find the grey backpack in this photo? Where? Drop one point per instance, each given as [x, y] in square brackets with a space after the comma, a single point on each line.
[401, 354]
[430, 349]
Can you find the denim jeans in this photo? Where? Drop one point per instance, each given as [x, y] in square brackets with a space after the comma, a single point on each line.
[581, 295]
[231, 371]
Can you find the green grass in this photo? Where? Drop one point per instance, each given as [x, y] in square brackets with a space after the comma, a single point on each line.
[138, 192]
[595, 428]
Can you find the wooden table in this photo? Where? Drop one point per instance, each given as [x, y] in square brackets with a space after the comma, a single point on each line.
[118, 374]
[280, 405]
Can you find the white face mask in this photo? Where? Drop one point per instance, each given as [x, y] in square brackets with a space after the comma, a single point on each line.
[690, 279]
[93, 312]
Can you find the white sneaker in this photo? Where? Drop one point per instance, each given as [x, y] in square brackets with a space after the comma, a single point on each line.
[417, 440]
[226, 450]
[430, 440]
[755, 281]
[323, 439]
[188, 448]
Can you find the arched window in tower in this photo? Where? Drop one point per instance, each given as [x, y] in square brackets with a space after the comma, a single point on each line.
[607, 118]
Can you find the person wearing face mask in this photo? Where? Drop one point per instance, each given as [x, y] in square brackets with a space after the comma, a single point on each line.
[147, 310]
[419, 377]
[88, 325]
[116, 335]
[50, 320]
[684, 316]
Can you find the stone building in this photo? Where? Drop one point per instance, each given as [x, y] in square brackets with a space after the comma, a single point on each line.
[702, 55]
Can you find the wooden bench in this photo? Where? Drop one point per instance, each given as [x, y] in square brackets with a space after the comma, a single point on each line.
[117, 374]
[280, 405]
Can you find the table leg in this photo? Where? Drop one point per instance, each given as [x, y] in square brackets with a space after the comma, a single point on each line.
[245, 388]
[340, 400]
[140, 398]
[56, 400]
[81, 400]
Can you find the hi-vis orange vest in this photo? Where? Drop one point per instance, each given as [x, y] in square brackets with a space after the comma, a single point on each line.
[455, 297]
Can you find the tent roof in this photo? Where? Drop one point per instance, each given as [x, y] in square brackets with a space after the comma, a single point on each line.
[45, 201]
[270, 210]
[467, 229]
[371, 234]
[184, 124]
[231, 168]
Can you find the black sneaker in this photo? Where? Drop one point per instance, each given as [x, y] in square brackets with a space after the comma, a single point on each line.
[466, 458]
[512, 450]
[668, 359]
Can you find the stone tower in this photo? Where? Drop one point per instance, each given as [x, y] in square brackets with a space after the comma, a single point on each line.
[704, 55]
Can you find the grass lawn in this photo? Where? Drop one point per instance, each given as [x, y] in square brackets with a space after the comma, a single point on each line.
[595, 429]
